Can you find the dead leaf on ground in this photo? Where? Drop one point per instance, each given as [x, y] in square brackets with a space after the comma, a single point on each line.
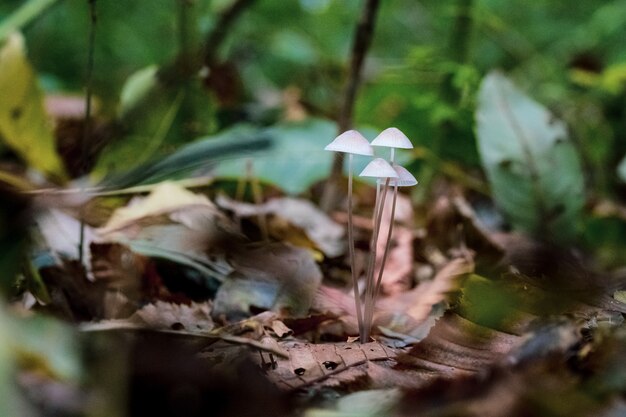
[273, 277]
[303, 217]
[329, 364]
[405, 317]
[174, 220]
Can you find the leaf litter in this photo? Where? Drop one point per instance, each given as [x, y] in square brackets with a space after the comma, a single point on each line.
[274, 307]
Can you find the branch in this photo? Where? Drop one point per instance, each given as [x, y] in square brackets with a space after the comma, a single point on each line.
[363, 35]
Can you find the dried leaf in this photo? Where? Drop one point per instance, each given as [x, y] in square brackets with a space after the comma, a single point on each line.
[174, 224]
[323, 363]
[160, 315]
[407, 316]
[280, 329]
[272, 277]
[457, 346]
[317, 227]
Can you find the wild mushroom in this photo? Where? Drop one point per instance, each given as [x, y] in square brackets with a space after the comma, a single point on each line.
[380, 169]
[405, 179]
[352, 143]
[392, 138]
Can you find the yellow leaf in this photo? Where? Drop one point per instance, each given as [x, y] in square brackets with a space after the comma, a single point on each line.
[24, 125]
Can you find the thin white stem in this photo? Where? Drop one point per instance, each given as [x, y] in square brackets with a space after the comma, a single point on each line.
[376, 219]
[393, 156]
[388, 244]
[355, 281]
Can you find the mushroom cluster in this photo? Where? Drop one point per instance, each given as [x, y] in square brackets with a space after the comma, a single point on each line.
[387, 174]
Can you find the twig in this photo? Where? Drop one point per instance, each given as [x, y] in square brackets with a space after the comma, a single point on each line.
[363, 35]
[87, 122]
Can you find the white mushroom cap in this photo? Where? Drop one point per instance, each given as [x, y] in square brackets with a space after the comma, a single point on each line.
[392, 138]
[379, 168]
[352, 142]
[405, 178]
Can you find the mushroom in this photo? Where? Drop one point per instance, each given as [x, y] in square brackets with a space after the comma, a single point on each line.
[392, 138]
[352, 143]
[380, 169]
[405, 179]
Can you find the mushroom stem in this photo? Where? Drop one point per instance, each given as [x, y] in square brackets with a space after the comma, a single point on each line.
[355, 281]
[368, 312]
[388, 244]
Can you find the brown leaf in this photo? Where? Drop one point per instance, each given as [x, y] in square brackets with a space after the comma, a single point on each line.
[273, 277]
[324, 363]
[160, 315]
[172, 219]
[456, 346]
[308, 223]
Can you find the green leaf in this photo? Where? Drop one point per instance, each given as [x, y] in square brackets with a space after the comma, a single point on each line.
[137, 87]
[532, 166]
[199, 155]
[25, 14]
[24, 125]
[299, 159]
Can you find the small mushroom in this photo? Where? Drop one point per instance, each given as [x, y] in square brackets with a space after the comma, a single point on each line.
[405, 179]
[392, 138]
[381, 169]
[352, 143]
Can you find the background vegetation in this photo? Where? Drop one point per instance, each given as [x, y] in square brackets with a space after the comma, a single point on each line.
[170, 74]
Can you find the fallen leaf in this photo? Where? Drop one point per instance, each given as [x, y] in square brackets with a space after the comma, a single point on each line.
[174, 224]
[309, 364]
[406, 317]
[273, 277]
[320, 229]
[160, 315]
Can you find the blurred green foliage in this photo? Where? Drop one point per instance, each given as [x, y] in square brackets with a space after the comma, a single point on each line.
[280, 72]
[422, 75]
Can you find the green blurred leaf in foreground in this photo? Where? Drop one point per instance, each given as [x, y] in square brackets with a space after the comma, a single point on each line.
[24, 125]
[533, 167]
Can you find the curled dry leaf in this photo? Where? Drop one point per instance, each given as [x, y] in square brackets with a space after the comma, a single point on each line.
[172, 220]
[457, 346]
[406, 317]
[409, 315]
[325, 234]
